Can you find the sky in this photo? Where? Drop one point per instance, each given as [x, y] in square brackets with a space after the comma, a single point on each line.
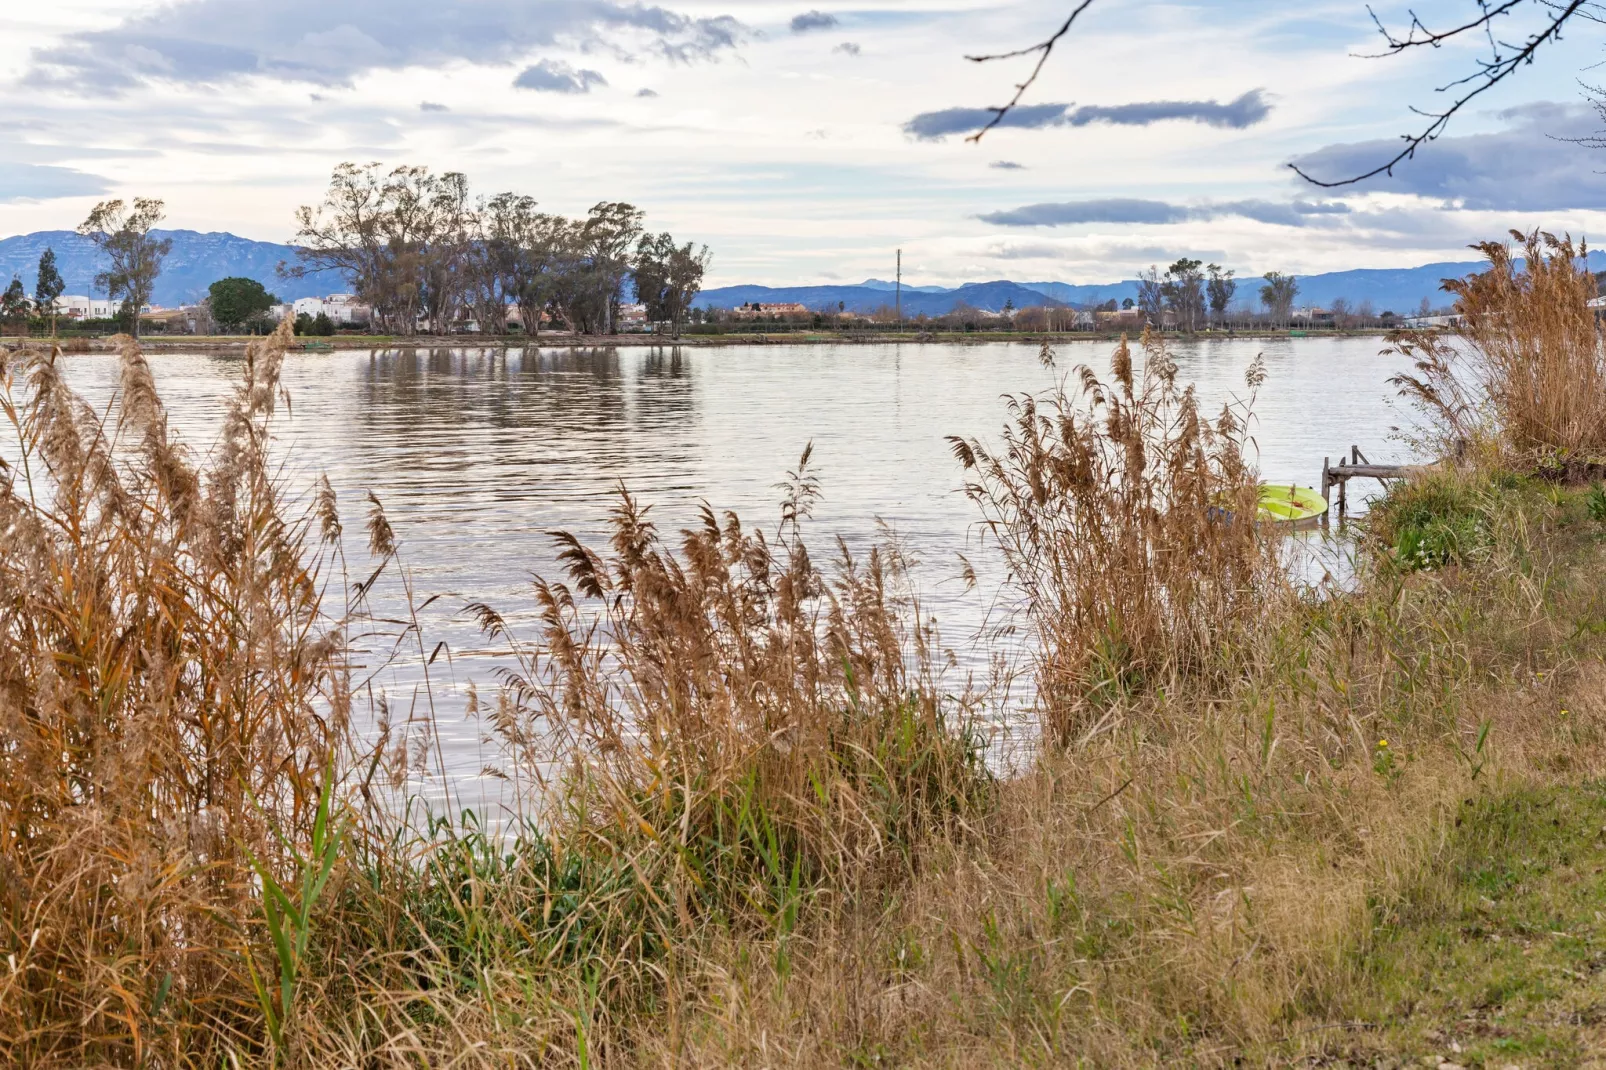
[805, 142]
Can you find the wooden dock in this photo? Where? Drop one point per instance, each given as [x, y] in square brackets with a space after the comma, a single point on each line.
[1358, 467]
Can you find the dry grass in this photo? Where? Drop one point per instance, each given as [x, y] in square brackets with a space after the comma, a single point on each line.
[1522, 380]
[758, 830]
[1125, 523]
[169, 694]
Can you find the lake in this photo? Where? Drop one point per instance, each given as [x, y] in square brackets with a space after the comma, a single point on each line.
[478, 454]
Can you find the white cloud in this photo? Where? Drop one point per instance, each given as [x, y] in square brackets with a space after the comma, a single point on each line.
[331, 42]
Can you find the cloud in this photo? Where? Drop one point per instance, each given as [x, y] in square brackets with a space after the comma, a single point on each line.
[645, 92]
[331, 42]
[1529, 166]
[813, 20]
[1153, 213]
[38, 182]
[1245, 111]
[936, 125]
[430, 105]
[1007, 165]
[1238, 114]
[847, 48]
[555, 76]
[1100, 253]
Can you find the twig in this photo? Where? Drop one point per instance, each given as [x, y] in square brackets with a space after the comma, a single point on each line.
[1044, 47]
[1492, 72]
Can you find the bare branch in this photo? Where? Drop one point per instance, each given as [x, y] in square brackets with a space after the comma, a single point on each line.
[1043, 47]
[1490, 73]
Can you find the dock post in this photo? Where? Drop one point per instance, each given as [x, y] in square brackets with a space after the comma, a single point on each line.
[1326, 490]
[1343, 497]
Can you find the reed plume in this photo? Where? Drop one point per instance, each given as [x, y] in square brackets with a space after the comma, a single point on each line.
[168, 698]
[1126, 520]
[1522, 378]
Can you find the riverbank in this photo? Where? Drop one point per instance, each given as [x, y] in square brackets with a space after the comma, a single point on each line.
[558, 340]
[1263, 824]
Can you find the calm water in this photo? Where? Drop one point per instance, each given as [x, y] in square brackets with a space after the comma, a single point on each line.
[478, 454]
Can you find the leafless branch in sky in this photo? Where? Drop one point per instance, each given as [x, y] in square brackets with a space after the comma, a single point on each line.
[1044, 49]
[1504, 59]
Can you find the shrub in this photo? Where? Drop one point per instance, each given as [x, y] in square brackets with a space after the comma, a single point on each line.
[1431, 522]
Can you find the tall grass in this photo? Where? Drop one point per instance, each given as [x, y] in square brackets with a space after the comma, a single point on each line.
[1127, 521]
[754, 825]
[196, 858]
[1522, 379]
[171, 696]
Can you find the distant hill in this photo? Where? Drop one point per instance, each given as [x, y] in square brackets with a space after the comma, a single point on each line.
[931, 302]
[195, 263]
[884, 284]
[1398, 290]
[198, 260]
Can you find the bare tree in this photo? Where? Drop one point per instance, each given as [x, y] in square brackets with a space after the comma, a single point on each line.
[1278, 296]
[1341, 313]
[1151, 295]
[123, 232]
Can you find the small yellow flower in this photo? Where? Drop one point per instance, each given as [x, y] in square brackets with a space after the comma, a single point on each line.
[1382, 743]
[1564, 713]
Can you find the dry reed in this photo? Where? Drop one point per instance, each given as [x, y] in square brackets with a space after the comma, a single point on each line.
[169, 694]
[758, 830]
[1522, 378]
[1126, 521]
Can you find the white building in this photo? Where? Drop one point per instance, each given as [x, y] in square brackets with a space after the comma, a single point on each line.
[343, 309]
[78, 307]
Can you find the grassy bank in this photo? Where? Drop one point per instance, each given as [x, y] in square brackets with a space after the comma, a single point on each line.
[1265, 825]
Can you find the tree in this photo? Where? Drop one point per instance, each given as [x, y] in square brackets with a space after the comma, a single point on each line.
[237, 301]
[1278, 295]
[1341, 312]
[123, 232]
[1183, 290]
[1126, 304]
[1220, 290]
[373, 227]
[610, 229]
[48, 286]
[14, 307]
[1151, 295]
[668, 278]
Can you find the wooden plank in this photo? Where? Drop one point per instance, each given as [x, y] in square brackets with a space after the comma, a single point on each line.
[1343, 471]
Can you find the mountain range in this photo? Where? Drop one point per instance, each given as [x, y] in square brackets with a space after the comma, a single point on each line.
[196, 261]
[1399, 290]
[199, 259]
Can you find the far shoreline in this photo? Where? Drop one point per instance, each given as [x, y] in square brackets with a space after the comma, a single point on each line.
[558, 340]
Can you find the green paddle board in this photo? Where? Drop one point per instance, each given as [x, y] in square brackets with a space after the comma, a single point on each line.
[1290, 503]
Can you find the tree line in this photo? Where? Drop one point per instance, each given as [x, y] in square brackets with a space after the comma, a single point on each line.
[1196, 294]
[420, 251]
[422, 254]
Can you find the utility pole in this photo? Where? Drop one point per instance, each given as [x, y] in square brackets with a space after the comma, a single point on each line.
[899, 291]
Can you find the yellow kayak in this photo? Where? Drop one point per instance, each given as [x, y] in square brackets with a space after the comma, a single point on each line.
[1289, 503]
